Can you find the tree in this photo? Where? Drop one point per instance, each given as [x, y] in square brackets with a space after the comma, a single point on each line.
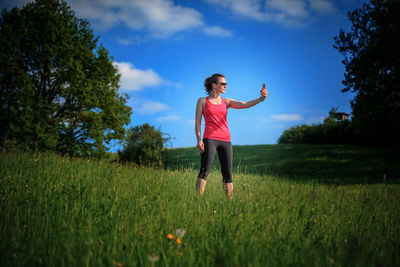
[59, 88]
[372, 60]
[144, 146]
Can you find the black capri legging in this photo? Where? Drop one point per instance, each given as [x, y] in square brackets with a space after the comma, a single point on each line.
[225, 158]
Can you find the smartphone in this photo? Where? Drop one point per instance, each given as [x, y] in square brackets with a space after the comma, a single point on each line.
[263, 85]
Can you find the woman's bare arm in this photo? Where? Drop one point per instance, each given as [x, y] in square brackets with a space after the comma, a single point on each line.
[232, 103]
[197, 127]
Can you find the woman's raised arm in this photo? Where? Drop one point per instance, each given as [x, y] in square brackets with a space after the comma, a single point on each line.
[232, 103]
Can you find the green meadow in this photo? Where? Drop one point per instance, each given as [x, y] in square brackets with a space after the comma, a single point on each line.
[293, 205]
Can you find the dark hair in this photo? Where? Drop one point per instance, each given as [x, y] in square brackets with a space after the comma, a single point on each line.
[210, 80]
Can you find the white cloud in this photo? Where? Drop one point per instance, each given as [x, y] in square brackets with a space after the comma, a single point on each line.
[191, 122]
[161, 18]
[125, 41]
[295, 13]
[322, 6]
[147, 107]
[164, 18]
[287, 117]
[218, 31]
[289, 8]
[133, 79]
[318, 119]
[247, 8]
[169, 118]
[157, 18]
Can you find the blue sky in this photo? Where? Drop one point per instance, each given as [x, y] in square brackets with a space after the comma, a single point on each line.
[165, 49]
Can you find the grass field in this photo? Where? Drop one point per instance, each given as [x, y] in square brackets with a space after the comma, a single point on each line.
[339, 164]
[293, 205]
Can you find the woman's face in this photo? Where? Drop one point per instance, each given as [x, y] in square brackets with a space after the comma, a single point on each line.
[220, 86]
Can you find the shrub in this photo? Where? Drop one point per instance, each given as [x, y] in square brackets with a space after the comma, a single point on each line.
[330, 132]
[144, 146]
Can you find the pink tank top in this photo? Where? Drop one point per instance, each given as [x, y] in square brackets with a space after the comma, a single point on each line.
[216, 125]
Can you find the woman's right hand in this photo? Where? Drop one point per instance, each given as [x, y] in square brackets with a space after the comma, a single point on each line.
[200, 146]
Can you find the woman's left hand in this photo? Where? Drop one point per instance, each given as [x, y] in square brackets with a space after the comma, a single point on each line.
[264, 93]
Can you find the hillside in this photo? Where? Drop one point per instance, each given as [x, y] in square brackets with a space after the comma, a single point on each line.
[323, 163]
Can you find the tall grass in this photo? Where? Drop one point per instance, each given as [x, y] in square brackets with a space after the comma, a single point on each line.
[57, 211]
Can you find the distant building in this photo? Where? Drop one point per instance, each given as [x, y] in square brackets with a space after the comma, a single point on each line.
[340, 116]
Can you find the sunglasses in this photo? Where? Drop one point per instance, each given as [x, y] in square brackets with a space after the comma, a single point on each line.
[225, 84]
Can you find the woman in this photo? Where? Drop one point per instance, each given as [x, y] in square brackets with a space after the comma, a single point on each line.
[216, 133]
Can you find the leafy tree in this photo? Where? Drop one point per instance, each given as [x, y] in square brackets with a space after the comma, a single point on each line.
[372, 60]
[59, 88]
[144, 146]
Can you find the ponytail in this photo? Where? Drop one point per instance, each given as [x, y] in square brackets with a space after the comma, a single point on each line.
[210, 80]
